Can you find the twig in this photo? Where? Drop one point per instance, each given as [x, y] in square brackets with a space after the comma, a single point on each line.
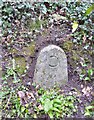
[8, 100]
[14, 74]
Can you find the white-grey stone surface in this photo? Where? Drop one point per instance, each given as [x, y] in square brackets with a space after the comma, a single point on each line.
[51, 67]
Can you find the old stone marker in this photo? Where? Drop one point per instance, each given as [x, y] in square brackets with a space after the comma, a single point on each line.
[51, 67]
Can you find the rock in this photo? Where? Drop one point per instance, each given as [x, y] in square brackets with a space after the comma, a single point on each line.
[51, 67]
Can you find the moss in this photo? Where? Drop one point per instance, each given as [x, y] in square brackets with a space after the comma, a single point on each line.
[37, 24]
[75, 55]
[68, 45]
[72, 63]
[29, 50]
[45, 32]
[20, 64]
[13, 51]
[90, 52]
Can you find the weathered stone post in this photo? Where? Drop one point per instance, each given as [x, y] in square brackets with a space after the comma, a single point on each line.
[51, 67]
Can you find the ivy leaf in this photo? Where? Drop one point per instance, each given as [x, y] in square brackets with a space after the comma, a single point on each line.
[90, 72]
[22, 109]
[87, 78]
[74, 26]
[87, 113]
[89, 107]
[89, 10]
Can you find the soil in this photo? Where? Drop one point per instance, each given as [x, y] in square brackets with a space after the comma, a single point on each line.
[58, 36]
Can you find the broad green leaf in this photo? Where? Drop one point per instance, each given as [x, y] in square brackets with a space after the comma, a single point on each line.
[22, 109]
[50, 114]
[90, 72]
[35, 116]
[87, 78]
[57, 101]
[89, 107]
[26, 110]
[48, 105]
[87, 113]
[89, 10]
[57, 114]
[57, 106]
[74, 26]
[57, 110]
[14, 111]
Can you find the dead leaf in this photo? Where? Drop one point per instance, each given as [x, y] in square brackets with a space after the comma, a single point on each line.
[0, 87]
[40, 107]
[74, 26]
[58, 17]
[86, 90]
[17, 22]
[21, 94]
[29, 95]
[81, 85]
[84, 38]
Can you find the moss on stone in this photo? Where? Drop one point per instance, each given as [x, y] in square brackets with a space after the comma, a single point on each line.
[20, 64]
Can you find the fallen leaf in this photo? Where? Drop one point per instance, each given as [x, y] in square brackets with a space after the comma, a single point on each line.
[87, 90]
[74, 26]
[29, 95]
[89, 10]
[0, 86]
[58, 17]
[84, 38]
[22, 97]
[82, 86]
[21, 94]
[40, 107]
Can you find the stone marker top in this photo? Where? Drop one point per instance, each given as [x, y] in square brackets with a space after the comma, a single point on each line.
[50, 47]
[51, 67]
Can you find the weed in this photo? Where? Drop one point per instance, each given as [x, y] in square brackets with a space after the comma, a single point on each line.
[89, 110]
[87, 76]
[10, 100]
[57, 105]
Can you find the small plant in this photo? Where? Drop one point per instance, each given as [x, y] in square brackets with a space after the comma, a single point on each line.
[11, 102]
[56, 105]
[11, 72]
[88, 75]
[17, 109]
[89, 110]
[13, 105]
